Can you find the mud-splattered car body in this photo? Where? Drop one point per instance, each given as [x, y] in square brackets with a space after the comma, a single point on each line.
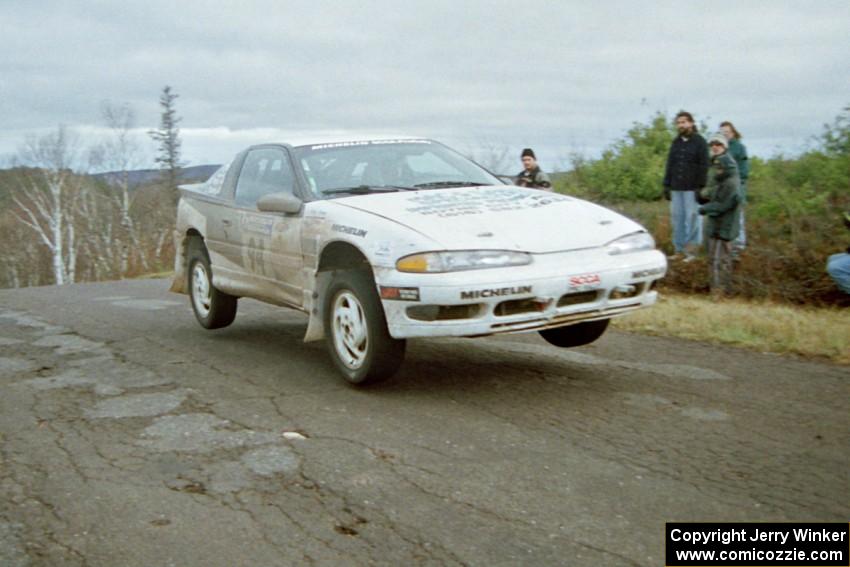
[446, 257]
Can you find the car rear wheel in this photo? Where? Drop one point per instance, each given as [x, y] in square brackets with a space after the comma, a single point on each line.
[213, 309]
[576, 335]
[356, 330]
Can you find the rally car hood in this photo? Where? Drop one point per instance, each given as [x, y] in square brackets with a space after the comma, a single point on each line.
[499, 218]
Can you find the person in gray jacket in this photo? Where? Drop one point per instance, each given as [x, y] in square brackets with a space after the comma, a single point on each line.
[722, 211]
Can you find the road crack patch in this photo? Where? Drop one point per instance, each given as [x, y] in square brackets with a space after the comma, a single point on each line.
[138, 405]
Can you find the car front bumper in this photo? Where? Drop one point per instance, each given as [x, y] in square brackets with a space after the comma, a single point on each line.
[555, 290]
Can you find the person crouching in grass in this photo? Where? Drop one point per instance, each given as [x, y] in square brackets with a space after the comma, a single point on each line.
[721, 200]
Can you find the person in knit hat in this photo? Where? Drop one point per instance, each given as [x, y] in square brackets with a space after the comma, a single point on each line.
[531, 176]
[721, 199]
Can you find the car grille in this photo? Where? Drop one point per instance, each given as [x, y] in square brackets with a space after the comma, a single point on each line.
[578, 298]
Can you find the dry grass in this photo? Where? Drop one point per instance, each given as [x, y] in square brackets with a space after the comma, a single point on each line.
[762, 326]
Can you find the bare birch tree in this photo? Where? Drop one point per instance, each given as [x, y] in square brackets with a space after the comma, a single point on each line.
[120, 154]
[45, 198]
[96, 215]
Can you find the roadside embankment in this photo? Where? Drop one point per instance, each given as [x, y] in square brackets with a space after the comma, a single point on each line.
[762, 326]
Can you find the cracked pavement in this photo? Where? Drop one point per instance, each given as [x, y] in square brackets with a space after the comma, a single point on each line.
[131, 436]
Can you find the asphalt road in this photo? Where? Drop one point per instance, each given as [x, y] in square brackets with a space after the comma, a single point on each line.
[131, 436]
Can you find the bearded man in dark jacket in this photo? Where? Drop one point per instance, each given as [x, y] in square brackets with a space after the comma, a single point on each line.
[684, 176]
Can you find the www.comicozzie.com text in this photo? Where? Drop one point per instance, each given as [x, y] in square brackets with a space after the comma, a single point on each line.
[755, 534]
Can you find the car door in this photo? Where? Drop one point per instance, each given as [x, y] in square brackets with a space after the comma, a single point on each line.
[222, 227]
[270, 243]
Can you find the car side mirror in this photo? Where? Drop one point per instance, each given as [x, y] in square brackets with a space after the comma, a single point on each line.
[279, 203]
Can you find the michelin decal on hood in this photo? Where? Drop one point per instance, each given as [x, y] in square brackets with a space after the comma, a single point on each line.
[479, 201]
[367, 143]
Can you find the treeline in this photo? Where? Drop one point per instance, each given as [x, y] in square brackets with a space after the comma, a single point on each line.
[60, 225]
[793, 210]
[95, 228]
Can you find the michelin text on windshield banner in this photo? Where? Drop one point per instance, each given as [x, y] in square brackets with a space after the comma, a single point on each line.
[757, 544]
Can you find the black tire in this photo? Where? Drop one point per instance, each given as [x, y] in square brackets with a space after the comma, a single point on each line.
[213, 309]
[576, 335]
[356, 330]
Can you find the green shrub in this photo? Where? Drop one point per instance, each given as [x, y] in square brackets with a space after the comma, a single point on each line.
[632, 168]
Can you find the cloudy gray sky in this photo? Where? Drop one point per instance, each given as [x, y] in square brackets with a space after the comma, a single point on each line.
[558, 76]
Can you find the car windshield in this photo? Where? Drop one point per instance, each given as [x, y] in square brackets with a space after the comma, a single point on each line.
[359, 168]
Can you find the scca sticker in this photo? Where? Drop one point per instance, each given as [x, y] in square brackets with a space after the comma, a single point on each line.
[585, 280]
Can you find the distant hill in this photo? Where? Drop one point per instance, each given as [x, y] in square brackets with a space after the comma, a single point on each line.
[138, 178]
[144, 176]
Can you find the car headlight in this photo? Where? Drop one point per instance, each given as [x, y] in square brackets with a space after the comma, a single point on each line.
[435, 262]
[631, 243]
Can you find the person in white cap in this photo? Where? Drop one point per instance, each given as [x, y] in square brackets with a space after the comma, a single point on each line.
[721, 208]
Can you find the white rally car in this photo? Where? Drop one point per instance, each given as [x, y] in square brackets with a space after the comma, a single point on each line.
[384, 240]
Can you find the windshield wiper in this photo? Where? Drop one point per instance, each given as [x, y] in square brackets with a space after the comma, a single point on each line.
[438, 184]
[364, 189]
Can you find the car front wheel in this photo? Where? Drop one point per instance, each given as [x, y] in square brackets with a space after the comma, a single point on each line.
[576, 335]
[356, 330]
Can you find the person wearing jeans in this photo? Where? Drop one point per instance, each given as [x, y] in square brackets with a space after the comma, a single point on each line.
[838, 265]
[684, 175]
[686, 222]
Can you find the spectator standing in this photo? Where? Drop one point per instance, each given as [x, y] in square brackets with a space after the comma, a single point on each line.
[838, 265]
[738, 151]
[531, 175]
[721, 210]
[685, 175]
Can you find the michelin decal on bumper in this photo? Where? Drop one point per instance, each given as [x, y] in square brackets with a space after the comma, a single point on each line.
[498, 292]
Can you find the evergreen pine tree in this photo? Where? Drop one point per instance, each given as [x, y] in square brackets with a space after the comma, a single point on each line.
[168, 139]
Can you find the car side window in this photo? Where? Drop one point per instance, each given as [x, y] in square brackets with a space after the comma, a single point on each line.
[264, 171]
[213, 185]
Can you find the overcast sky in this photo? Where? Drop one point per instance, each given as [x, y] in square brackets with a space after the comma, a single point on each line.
[557, 76]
